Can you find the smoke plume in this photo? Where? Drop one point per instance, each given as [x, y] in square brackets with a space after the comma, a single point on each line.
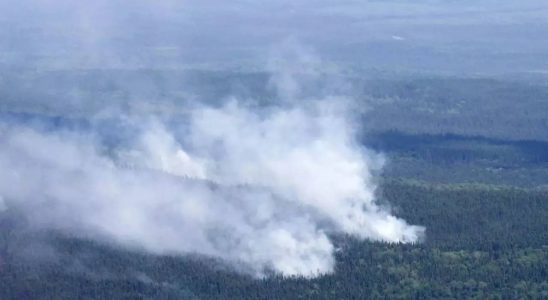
[258, 187]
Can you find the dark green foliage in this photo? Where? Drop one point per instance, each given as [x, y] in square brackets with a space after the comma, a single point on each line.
[483, 242]
[451, 145]
[450, 158]
[503, 109]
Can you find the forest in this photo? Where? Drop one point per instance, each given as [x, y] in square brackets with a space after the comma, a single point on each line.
[273, 149]
[480, 192]
[482, 242]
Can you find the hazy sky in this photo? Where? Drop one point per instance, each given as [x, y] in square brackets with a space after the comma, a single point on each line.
[465, 36]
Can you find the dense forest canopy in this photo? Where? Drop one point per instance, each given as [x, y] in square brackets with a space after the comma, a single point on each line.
[380, 149]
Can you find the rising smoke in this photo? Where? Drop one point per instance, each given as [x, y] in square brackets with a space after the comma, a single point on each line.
[262, 187]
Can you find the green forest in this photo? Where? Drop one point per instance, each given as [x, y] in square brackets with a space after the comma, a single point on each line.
[273, 149]
[482, 242]
[480, 191]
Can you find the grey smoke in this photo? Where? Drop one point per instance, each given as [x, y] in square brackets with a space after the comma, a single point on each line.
[262, 187]
[259, 187]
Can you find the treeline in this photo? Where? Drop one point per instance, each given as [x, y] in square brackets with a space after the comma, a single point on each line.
[502, 109]
[482, 242]
[506, 109]
[450, 158]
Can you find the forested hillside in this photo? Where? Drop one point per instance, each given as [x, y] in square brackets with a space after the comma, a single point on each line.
[501, 108]
[273, 149]
[475, 178]
[483, 242]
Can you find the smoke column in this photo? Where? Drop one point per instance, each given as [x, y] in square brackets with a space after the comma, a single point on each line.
[262, 188]
[258, 186]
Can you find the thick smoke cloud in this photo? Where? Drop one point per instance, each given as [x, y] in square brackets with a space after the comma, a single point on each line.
[261, 187]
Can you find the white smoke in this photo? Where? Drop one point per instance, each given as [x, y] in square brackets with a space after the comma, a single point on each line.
[303, 177]
[259, 187]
